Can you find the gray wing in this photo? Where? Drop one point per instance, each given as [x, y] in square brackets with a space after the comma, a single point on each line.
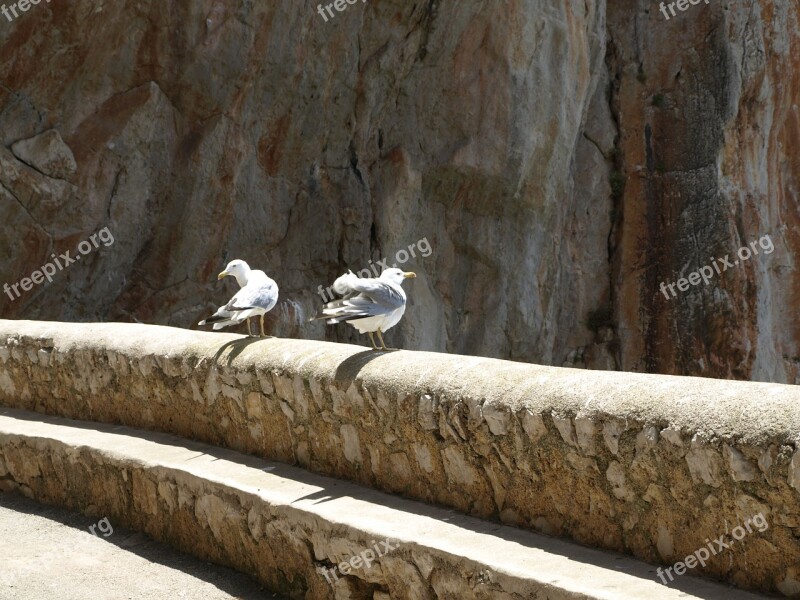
[378, 298]
[354, 307]
[262, 295]
[380, 293]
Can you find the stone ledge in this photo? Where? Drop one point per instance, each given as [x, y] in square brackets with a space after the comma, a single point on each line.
[643, 464]
[285, 526]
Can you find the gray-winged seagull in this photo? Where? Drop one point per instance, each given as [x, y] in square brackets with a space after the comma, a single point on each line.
[369, 304]
[257, 296]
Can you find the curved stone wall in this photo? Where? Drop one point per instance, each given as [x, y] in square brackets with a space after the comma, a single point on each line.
[653, 466]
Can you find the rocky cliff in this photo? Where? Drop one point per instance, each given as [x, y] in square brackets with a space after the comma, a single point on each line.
[561, 159]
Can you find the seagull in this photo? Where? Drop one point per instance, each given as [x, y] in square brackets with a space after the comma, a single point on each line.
[257, 296]
[369, 304]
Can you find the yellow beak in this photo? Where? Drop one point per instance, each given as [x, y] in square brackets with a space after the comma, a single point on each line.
[222, 275]
[409, 275]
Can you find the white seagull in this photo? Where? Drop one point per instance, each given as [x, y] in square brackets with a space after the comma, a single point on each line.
[257, 296]
[370, 305]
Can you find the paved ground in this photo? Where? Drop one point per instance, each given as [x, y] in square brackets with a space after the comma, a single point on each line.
[47, 553]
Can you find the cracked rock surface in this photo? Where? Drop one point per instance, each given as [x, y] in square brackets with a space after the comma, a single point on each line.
[562, 158]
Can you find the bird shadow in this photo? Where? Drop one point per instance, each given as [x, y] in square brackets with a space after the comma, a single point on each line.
[236, 347]
[349, 368]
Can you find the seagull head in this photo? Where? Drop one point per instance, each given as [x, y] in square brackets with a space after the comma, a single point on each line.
[238, 269]
[396, 276]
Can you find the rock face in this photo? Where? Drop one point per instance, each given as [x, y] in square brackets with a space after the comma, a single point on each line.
[707, 105]
[559, 159]
[48, 154]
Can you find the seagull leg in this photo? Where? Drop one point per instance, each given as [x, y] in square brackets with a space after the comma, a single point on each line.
[249, 334]
[262, 327]
[380, 337]
[372, 339]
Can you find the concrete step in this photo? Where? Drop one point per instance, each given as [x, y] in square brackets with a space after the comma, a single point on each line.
[49, 552]
[304, 535]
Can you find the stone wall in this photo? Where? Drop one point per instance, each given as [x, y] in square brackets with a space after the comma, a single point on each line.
[646, 465]
[170, 505]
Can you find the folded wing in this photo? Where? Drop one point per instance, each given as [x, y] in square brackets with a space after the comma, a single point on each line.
[362, 298]
[264, 295]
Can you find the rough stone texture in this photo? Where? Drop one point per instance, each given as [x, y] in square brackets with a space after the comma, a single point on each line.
[563, 158]
[209, 130]
[47, 153]
[707, 109]
[643, 464]
[286, 527]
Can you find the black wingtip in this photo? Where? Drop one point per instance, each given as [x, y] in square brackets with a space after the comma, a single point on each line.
[213, 319]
